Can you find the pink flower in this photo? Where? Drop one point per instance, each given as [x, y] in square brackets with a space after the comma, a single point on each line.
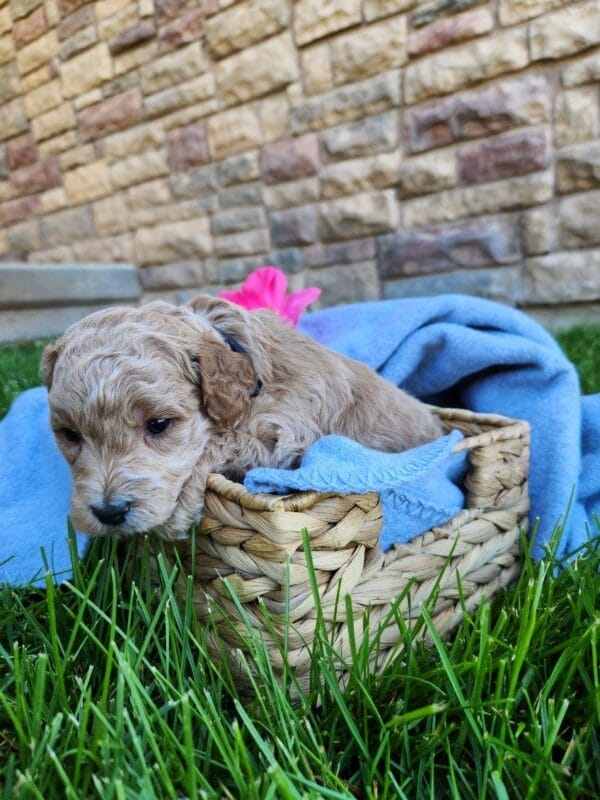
[266, 288]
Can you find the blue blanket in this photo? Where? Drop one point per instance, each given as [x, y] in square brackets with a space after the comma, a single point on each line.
[450, 350]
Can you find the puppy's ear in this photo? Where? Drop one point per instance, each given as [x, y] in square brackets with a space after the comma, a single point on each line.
[48, 362]
[227, 381]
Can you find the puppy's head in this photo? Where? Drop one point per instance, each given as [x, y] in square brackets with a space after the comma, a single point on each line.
[138, 398]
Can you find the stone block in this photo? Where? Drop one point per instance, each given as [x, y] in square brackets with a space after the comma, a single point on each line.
[13, 119]
[565, 32]
[579, 220]
[511, 13]
[181, 275]
[576, 116]
[322, 255]
[369, 50]
[87, 182]
[133, 141]
[30, 28]
[244, 25]
[317, 73]
[21, 151]
[294, 226]
[78, 42]
[53, 122]
[6, 23]
[360, 215]
[177, 241]
[37, 52]
[75, 21]
[469, 201]
[114, 114]
[21, 8]
[562, 277]
[257, 70]
[246, 194]
[194, 183]
[502, 284]
[237, 220]
[151, 193]
[233, 131]
[504, 156]
[111, 215]
[19, 209]
[446, 32]
[292, 193]
[273, 116]
[37, 177]
[52, 255]
[376, 9]
[57, 144]
[346, 283]
[585, 69]
[86, 71]
[239, 169]
[53, 200]
[360, 175]
[139, 168]
[77, 157]
[25, 236]
[428, 173]
[172, 212]
[290, 159]
[65, 227]
[128, 60]
[478, 113]
[183, 30]
[486, 242]
[178, 97]
[7, 50]
[36, 78]
[427, 13]
[43, 98]
[578, 167]
[348, 103]
[314, 19]
[173, 68]
[241, 244]
[134, 35]
[235, 270]
[188, 147]
[539, 229]
[170, 9]
[367, 136]
[460, 67]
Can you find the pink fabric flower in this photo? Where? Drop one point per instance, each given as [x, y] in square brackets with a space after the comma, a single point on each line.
[266, 288]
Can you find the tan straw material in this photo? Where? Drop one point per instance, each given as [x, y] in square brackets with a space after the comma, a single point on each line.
[256, 543]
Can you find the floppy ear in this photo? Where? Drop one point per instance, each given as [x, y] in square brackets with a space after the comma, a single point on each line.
[227, 381]
[48, 362]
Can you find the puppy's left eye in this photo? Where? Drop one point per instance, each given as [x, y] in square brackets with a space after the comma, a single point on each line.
[158, 426]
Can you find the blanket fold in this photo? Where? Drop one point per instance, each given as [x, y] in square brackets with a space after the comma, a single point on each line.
[419, 488]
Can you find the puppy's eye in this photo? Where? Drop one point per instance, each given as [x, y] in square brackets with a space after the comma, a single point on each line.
[158, 426]
[70, 435]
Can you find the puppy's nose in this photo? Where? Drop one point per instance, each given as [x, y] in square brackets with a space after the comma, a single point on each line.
[112, 513]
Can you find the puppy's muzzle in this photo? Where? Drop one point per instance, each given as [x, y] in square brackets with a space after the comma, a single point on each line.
[112, 513]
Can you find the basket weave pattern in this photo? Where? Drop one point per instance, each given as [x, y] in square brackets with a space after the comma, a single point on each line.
[255, 541]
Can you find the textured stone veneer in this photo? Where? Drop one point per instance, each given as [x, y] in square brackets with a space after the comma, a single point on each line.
[375, 148]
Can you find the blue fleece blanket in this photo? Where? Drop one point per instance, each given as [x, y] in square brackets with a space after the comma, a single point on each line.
[450, 350]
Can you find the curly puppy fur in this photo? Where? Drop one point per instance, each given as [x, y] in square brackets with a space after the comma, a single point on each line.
[118, 369]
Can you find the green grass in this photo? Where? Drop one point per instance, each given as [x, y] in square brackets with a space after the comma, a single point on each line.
[107, 690]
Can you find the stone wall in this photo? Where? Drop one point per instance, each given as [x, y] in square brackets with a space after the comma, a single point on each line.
[375, 148]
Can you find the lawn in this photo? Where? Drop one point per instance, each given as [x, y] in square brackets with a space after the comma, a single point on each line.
[107, 689]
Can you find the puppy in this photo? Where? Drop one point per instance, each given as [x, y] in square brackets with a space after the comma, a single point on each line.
[146, 402]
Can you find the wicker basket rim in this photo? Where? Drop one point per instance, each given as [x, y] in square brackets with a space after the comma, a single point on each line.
[501, 429]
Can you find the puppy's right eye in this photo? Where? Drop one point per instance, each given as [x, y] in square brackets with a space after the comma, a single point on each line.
[158, 426]
[70, 435]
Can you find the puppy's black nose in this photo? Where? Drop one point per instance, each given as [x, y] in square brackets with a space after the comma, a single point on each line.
[112, 513]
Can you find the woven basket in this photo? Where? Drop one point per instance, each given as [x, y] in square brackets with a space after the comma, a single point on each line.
[256, 543]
